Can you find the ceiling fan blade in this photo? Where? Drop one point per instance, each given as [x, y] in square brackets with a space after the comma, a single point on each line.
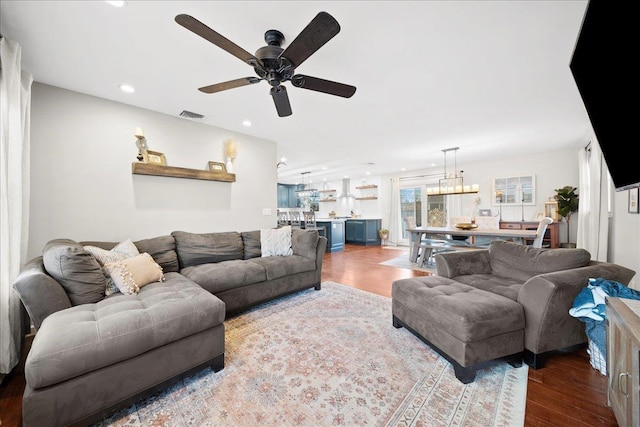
[319, 31]
[197, 27]
[231, 84]
[322, 85]
[281, 99]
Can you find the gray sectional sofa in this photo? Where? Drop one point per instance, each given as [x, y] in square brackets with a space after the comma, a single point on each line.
[93, 354]
[508, 301]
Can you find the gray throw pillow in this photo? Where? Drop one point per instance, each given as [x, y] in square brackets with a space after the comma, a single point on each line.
[163, 251]
[251, 243]
[77, 271]
[205, 248]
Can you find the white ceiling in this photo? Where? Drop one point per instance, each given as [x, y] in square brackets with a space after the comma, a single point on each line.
[490, 77]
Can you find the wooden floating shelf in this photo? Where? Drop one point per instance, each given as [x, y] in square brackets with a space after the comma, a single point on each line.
[366, 187]
[176, 172]
[327, 200]
[367, 198]
[326, 191]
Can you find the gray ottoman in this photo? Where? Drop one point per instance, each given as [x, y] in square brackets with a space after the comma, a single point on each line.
[468, 326]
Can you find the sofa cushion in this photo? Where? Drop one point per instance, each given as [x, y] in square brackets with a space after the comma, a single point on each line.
[504, 286]
[220, 276]
[276, 267]
[204, 248]
[522, 262]
[84, 338]
[163, 251]
[251, 243]
[77, 271]
[304, 242]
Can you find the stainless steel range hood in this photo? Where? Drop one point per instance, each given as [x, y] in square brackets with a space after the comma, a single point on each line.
[346, 184]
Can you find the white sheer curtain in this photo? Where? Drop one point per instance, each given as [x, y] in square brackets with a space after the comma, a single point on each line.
[395, 228]
[593, 212]
[15, 100]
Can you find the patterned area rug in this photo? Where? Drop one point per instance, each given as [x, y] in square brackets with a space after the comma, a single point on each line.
[331, 358]
[403, 262]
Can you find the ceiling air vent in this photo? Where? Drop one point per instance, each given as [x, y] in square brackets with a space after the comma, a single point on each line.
[191, 116]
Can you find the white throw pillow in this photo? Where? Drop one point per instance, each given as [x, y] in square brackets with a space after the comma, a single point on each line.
[276, 241]
[131, 274]
[123, 250]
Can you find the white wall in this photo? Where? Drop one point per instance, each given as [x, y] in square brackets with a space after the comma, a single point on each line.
[624, 236]
[344, 206]
[82, 187]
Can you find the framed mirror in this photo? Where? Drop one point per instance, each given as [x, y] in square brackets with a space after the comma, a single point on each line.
[514, 191]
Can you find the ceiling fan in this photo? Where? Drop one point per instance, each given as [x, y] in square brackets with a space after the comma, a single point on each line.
[275, 64]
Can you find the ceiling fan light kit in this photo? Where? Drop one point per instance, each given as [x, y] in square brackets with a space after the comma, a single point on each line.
[275, 64]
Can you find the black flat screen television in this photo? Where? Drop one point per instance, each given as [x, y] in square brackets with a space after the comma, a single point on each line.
[603, 69]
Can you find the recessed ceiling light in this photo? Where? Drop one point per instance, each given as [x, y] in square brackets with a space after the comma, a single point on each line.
[117, 3]
[127, 88]
[246, 123]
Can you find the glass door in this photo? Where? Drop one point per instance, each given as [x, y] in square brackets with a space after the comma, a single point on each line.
[410, 206]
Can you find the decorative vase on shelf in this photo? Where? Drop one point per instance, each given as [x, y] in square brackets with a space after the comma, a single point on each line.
[229, 165]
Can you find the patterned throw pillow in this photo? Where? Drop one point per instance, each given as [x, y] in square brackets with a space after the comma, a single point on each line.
[122, 251]
[276, 241]
[131, 274]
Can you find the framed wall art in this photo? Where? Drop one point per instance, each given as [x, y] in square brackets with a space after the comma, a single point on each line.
[155, 157]
[633, 200]
[217, 167]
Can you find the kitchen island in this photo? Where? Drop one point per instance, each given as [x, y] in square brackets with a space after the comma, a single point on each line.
[334, 231]
[363, 231]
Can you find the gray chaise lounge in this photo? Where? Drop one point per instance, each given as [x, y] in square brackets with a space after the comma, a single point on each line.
[500, 302]
[88, 360]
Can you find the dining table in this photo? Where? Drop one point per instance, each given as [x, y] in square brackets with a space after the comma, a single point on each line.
[446, 234]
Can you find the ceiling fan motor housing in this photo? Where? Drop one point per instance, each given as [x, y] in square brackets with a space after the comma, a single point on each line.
[271, 69]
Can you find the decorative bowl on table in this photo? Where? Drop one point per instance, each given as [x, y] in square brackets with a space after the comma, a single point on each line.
[466, 225]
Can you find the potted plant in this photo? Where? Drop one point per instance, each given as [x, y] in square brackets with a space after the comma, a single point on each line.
[567, 199]
[383, 233]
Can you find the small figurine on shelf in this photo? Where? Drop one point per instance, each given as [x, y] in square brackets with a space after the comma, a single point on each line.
[141, 143]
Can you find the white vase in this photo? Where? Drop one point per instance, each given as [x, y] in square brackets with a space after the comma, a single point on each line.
[229, 166]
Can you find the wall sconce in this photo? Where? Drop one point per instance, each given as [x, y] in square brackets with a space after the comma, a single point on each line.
[282, 162]
[141, 143]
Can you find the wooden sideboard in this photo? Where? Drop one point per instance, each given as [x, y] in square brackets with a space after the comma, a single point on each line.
[623, 360]
[551, 236]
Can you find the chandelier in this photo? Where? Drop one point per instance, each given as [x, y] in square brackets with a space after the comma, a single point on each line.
[305, 192]
[452, 183]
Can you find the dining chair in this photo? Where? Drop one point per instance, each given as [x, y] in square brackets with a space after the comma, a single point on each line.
[542, 228]
[427, 248]
[283, 218]
[310, 222]
[295, 219]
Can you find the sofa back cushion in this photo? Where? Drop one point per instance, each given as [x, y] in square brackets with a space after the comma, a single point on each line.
[204, 248]
[163, 251]
[522, 262]
[77, 271]
[251, 242]
[304, 242]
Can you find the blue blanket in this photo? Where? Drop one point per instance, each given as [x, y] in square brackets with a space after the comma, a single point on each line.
[589, 307]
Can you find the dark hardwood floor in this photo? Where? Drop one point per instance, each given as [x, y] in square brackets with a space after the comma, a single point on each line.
[567, 392]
